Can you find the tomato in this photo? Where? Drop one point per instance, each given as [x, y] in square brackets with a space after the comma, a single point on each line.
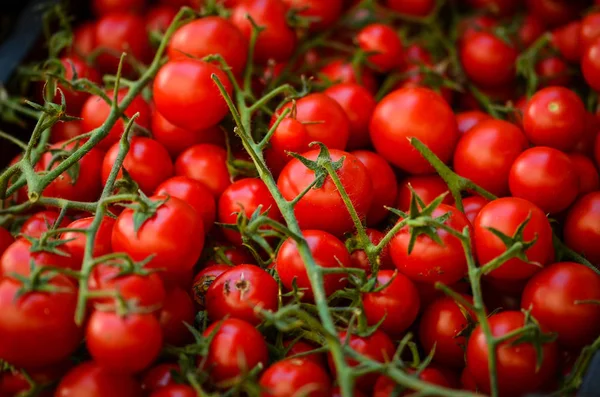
[239, 292]
[159, 18]
[590, 64]
[147, 162]
[182, 86]
[413, 112]
[195, 193]
[517, 372]
[159, 376]
[556, 12]
[124, 344]
[505, 215]
[40, 222]
[295, 377]
[277, 40]
[290, 136]
[488, 61]
[541, 172]
[203, 280]
[323, 208]
[327, 251]
[384, 387]
[582, 227]
[427, 188]
[75, 67]
[174, 234]
[398, 302]
[472, 24]
[299, 346]
[17, 258]
[323, 14]
[236, 347]
[96, 110]
[553, 71]
[359, 104]
[530, 30]
[14, 383]
[469, 119]
[178, 309]
[6, 239]
[65, 130]
[498, 7]
[589, 179]
[91, 380]
[37, 328]
[415, 8]
[467, 382]
[597, 150]
[429, 261]
[385, 45]
[208, 36]
[175, 391]
[84, 39]
[359, 257]
[104, 7]
[207, 164]
[441, 326]
[341, 71]
[75, 242]
[472, 205]
[566, 40]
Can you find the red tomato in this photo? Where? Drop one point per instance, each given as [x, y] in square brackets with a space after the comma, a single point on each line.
[91, 380]
[236, 347]
[182, 86]
[469, 119]
[75, 67]
[293, 377]
[582, 227]
[323, 14]
[505, 215]
[530, 30]
[84, 39]
[178, 309]
[553, 71]
[488, 61]
[590, 64]
[539, 173]
[104, 7]
[472, 205]
[473, 24]
[208, 36]
[37, 328]
[429, 261]
[6, 239]
[65, 130]
[40, 222]
[566, 40]
[290, 136]
[14, 383]
[207, 164]
[359, 257]
[203, 280]
[415, 8]
[467, 382]
[427, 188]
[413, 112]
[75, 242]
[398, 302]
[17, 258]
[597, 150]
[517, 372]
[327, 251]
[175, 391]
[159, 376]
[556, 12]
[159, 18]
[589, 180]
[385, 44]
[340, 71]
[300, 346]
[498, 7]
[384, 387]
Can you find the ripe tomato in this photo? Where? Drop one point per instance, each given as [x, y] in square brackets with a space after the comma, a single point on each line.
[590, 29]
[488, 61]
[37, 328]
[517, 372]
[566, 40]
[472, 205]
[203, 280]
[427, 188]
[323, 14]
[429, 261]
[341, 71]
[159, 17]
[384, 43]
[182, 86]
[84, 40]
[208, 36]
[65, 130]
[17, 258]
[415, 8]
[555, 12]
[323, 208]
[413, 112]
[40, 222]
[469, 119]
[175, 391]
[359, 257]
[159, 376]
[104, 7]
[75, 67]
[589, 179]
[14, 382]
[207, 164]
[498, 7]
[327, 251]
[398, 302]
[178, 309]
[384, 387]
[91, 380]
[236, 347]
[530, 30]
[6, 239]
[290, 136]
[590, 64]
[299, 346]
[553, 71]
[75, 241]
[295, 377]
[582, 227]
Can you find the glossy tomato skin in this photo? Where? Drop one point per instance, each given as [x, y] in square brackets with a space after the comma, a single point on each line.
[505, 215]
[418, 8]
[429, 261]
[159, 376]
[516, 365]
[553, 71]
[205, 163]
[426, 187]
[398, 302]
[75, 66]
[91, 380]
[37, 329]
[17, 258]
[359, 257]
[290, 136]
[328, 252]
[590, 64]
[203, 280]
[469, 119]
[553, 295]
[541, 172]
[341, 71]
[178, 309]
[236, 346]
[325, 14]
[566, 39]
[385, 44]
[413, 112]
[488, 60]
[582, 227]
[587, 173]
[472, 205]
[40, 222]
[75, 242]
[485, 154]
[299, 346]
[295, 376]
[326, 201]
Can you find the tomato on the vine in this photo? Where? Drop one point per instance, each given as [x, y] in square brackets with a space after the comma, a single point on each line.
[385, 45]
[42, 221]
[426, 187]
[18, 257]
[205, 163]
[75, 242]
[291, 377]
[177, 311]
[92, 380]
[359, 256]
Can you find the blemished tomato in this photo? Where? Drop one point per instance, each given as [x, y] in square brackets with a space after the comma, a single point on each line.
[385, 45]
[415, 8]
[517, 372]
[427, 188]
[17, 258]
[582, 227]
[175, 391]
[40, 222]
[203, 280]
[75, 241]
[37, 328]
[124, 344]
[429, 261]
[104, 7]
[159, 17]
[209, 36]
[587, 173]
[6, 239]
[182, 86]
[469, 119]
[553, 71]
[566, 40]
[299, 346]
[384, 387]
[178, 309]
[236, 347]
[328, 252]
[488, 61]
[92, 380]
[359, 256]
[539, 173]
[159, 376]
[205, 163]
[290, 136]
[294, 378]
[341, 71]
[325, 14]
[505, 215]
[323, 208]
[398, 302]
[240, 292]
[590, 64]
[74, 66]
[472, 205]
[413, 112]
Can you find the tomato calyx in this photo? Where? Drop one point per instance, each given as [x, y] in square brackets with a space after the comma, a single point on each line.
[144, 208]
[40, 280]
[319, 167]
[47, 244]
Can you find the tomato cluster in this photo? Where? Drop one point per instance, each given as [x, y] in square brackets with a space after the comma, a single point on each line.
[307, 198]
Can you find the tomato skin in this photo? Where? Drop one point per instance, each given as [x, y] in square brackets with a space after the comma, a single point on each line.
[104, 7]
[84, 39]
[295, 377]
[326, 201]
[587, 173]
[14, 383]
[590, 64]
[203, 280]
[415, 8]
[40, 222]
[467, 382]
[497, 7]
[325, 13]
[91, 380]
[566, 40]
[182, 86]
[177, 309]
[75, 242]
[340, 71]
[384, 387]
[597, 149]
[233, 339]
[531, 29]
[469, 119]
[327, 251]
[505, 215]
[472, 206]
[553, 71]
[359, 257]
[413, 112]
[427, 188]
[582, 227]
[208, 36]
[290, 136]
[430, 262]
[37, 329]
[6, 239]
[487, 60]
[542, 171]
[75, 99]
[238, 291]
[300, 346]
[175, 391]
[399, 303]
[159, 17]
[205, 163]
[383, 181]
[17, 258]
[384, 42]
[159, 376]
[516, 365]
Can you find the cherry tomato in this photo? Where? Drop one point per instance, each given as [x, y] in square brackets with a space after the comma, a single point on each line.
[91, 380]
[467, 382]
[207, 164]
[469, 119]
[175, 391]
[359, 257]
[416, 8]
[295, 377]
[566, 40]
[84, 39]
[590, 64]
[203, 280]
[555, 12]
[6, 239]
[384, 387]
[75, 242]
[472, 205]
[299, 346]
[589, 179]
[65, 130]
[553, 71]
[75, 67]
[427, 188]
[530, 30]
[14, 383]
[290, 136]
[582, 227]
[159, 376]
[178, 309]
[498, 7]
[341, 71]
[159, 18]
[40, 222]
[17, 258]
[104, 7]
[488, 60]
[324, 14]
[384, 43]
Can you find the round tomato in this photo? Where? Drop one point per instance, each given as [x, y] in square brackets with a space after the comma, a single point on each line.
[322, 14]
[385, 45]
[341, 71]
[587, 173]
[290, 136]
[17, 258]
[566, 40]
[582, 227]
[75, 242]
[178, 309]
[590, 64]
[472, 205]
[159, 17]
[84, 39]
[207, 164]
[556, 12]
[360, 259]
[553, 71]
[415, 8]
[488, 60]
[301, 347]
[159, 376]
[203, 280]
[40, 222]
[295, 377]
[498, 7]
[469, 119]
[92, 380]
[530, 30]
[65, 130]
[427, 188]
[6, 239]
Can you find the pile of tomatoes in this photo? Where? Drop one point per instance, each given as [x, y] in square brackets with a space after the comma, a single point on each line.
[306, 198]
